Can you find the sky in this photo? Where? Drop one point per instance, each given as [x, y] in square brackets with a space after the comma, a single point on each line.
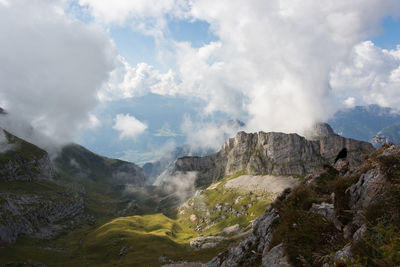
[133, 79]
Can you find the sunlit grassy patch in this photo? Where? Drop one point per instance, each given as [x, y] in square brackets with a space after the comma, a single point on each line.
[219, 207]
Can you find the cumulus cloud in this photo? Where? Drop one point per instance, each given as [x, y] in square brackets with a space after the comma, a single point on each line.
[371, 74]
[128, 126]
[273, 59]
[51, 66]
[94, 122]
[208, 135]
[127, 81]
[349, 102]
[279, 54]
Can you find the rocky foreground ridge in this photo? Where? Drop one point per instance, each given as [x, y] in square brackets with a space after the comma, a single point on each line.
[274, 153]
[340, 216]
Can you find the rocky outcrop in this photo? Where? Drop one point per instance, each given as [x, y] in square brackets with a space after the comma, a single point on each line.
[357, 190]
[327, 211]
[249, 249]
[276, 258]
[206, 242]
[272, 153]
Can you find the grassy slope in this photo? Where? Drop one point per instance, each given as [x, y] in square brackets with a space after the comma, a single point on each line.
[146, 238]
[212, 220]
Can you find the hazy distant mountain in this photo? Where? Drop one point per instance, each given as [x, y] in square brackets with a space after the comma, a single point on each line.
[391, 132]
[364, 122]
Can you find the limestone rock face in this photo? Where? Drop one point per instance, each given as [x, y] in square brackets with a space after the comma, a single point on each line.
[368, 189]
[272, 153]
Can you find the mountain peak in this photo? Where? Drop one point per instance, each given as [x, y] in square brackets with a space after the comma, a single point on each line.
[319, 130]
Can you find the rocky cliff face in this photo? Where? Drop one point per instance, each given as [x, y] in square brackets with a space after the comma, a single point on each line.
[339, 216]
[273, 153]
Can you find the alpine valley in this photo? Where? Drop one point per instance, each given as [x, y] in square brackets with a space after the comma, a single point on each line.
[264, 199]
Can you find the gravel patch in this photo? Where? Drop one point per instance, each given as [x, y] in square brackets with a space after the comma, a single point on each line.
[265, 183]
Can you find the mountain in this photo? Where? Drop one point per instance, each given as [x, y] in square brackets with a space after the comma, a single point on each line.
[272, 153]
[76, 162]
[269, 199]
[42, 197]
[364, 122]
[32, 201]
[338, 217]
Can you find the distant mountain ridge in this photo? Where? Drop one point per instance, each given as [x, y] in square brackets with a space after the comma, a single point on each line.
[364, 122]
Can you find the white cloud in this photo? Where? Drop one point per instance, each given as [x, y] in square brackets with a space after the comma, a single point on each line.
[146, 16]
[128, 126]
[371, 74]
[93, 122]
[349, 102]
[51, 66]
[272, 61]
[4, 3]
[208, 135]
[127, 81]
[278, 55]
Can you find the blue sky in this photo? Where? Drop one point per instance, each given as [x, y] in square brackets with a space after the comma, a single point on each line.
[390, 35]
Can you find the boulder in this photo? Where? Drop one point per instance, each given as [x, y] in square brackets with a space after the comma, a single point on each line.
[276, 258]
